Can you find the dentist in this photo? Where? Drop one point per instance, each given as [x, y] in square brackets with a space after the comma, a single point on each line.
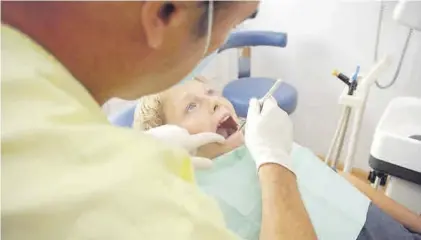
[68, 174]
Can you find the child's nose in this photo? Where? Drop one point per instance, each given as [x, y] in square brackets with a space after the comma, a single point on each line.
[215, 107]
[214, 104]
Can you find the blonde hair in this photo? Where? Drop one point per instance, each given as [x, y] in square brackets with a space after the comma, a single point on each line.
[149, 111]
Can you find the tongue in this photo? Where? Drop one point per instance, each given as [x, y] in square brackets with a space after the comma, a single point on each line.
[222, 131]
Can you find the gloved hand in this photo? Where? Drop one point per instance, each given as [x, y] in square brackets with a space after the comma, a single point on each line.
[269, 134]
[180, 137]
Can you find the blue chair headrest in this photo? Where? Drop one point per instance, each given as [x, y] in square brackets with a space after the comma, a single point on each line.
[255, 38]
[123, 118]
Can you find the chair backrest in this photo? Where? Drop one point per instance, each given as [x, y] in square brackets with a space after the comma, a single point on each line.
[247, 39]
[123, 118]
[242, 39]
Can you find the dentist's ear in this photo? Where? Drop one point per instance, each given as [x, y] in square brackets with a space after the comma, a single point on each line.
[158, 17]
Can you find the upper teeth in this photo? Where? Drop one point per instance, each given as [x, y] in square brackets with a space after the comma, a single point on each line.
[223, 120]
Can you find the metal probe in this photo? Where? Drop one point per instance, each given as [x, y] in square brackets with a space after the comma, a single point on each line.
[274, 87]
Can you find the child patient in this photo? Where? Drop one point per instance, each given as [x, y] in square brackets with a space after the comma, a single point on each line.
[198, 108]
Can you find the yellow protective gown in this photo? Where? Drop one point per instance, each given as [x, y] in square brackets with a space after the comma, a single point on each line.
[68, 174]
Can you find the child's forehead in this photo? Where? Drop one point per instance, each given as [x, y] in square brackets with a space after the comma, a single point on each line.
[190, 88]
[194, 85]
[177, 96]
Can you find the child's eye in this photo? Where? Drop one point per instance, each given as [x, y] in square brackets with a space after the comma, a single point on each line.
[191, 106]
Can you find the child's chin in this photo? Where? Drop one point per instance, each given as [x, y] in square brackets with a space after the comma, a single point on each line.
[215, 150]
[235, 140]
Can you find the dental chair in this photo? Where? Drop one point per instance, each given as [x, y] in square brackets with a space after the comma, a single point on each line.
[240, 91]
[124, 118]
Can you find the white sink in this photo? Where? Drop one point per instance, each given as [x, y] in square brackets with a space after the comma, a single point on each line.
[397, 138]
[396, 151]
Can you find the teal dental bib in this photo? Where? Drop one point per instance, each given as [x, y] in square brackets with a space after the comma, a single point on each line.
[337, 209]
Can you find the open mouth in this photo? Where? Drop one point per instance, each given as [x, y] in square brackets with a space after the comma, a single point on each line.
[227, 126]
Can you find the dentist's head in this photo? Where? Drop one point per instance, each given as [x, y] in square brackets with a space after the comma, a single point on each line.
[127, 49]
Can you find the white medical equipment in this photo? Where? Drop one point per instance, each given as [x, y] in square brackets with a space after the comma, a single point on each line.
[406, 13]
[396, 148]
[404, 181]
[396, 151]
[355, 102]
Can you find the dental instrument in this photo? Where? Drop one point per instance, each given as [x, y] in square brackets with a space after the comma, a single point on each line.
[341, 76]
[338, 139]
[353, 99]
[274, 87]
[358, 102]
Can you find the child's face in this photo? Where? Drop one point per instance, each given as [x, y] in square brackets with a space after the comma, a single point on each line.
[198, 108]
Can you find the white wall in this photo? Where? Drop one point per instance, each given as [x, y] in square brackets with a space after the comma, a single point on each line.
[324, 35]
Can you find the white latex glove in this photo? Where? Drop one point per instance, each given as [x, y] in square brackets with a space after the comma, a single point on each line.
[269, 134]
[180, 137]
